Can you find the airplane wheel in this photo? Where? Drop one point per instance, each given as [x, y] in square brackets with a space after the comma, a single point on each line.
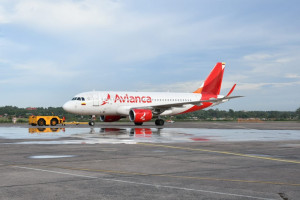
[159, 122]
[92, 123]
[138, 123]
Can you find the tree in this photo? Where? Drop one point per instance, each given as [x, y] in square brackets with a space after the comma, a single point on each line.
[231, 113]
[298, 113]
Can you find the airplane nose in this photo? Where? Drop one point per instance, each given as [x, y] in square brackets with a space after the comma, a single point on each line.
[68, 107]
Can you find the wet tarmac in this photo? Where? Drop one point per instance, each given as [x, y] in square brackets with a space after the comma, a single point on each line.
[135, 135]
[214, 161]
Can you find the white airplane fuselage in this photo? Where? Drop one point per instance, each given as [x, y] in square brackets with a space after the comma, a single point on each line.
[120, 103]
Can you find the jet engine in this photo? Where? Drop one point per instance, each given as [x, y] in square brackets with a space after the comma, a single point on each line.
[138, 116]
[111, 118]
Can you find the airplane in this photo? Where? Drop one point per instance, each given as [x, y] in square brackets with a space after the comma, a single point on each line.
[144, 106]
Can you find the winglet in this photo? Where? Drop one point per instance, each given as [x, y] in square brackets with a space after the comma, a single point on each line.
[229, 93]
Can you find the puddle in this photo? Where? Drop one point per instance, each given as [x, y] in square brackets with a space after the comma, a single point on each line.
[51, 156]
[135, 135]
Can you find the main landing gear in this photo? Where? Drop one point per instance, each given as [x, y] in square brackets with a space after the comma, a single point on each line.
[159, 122]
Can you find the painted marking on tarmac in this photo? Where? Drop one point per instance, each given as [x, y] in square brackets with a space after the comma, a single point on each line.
[147, 184]
[43, 170]
[173, 176]
[222, 152]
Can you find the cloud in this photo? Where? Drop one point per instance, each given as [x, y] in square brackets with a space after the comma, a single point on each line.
[188, 86]
[54, 15]
[274, 65]
[260, 86]
[124, 33]
[31, 73]
[8, 46]
[292, 76]
[268, 64]
[3, 16]
[147, 35]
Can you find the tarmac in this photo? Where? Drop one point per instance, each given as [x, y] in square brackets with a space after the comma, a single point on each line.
[191, 160]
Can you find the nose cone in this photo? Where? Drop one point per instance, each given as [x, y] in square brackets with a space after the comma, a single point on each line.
[68, 107]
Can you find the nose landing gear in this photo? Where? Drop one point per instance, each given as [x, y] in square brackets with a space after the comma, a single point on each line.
[92, 120]
[91, 123]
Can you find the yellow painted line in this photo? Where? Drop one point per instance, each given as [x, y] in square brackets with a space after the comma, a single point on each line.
[232, 180]
[222, 152]
[169, 176]
[69, 123]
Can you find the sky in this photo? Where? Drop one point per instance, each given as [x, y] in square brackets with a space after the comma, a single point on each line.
[50, 50]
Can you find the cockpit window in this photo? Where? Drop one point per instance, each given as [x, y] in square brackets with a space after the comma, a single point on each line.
[78, 99]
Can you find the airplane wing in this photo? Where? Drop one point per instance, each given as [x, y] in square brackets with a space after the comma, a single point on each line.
[171, 105]
[162, 107]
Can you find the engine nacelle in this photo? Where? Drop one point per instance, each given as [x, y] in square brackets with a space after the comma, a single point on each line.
[140, 115]
[111, 118]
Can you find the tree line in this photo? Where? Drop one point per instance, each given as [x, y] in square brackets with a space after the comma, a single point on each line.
[216, 114]
[212, 114]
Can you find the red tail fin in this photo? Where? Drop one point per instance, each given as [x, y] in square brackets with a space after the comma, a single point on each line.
[212, 84]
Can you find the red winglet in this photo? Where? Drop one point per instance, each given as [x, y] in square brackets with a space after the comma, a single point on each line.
[229, 93]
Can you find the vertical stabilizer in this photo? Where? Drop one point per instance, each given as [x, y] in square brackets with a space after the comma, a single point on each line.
[212, 84]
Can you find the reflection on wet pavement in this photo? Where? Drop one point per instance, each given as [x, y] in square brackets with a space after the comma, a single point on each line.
[134, 135]
[45, 130]
[51, 156]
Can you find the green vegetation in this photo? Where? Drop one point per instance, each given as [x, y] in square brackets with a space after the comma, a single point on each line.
[22, 114]
[215, 114]
[8, 112]
[298, 113]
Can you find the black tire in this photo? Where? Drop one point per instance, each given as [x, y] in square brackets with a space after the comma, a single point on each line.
[138, 123]
[91, 123]
[159, 122]
[54, 122]
[41, 122]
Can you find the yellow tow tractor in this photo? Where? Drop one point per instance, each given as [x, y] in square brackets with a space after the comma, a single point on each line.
[45, 120]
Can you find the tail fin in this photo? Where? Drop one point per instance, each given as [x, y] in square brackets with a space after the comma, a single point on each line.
[212, 84]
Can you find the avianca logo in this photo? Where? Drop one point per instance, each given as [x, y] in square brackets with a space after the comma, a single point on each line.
[128, 99]
[105, 101]
[143, 117]
[132, 99]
